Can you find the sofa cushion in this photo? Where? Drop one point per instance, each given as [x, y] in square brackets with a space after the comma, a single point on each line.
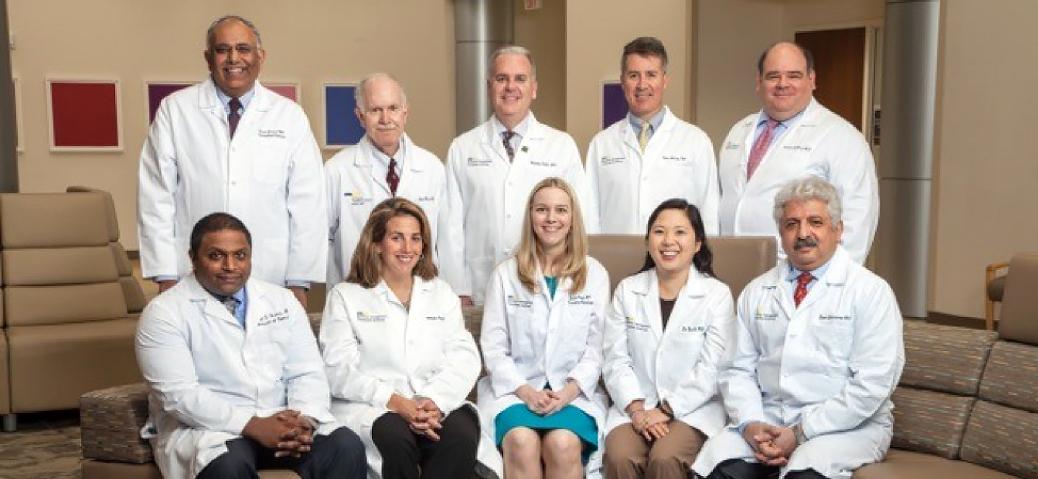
[53, 220]
[1011, 376]
[40, 305]
[914, 465]
[929, 421]
[944, 358]
[110, 421]
[5, 382]
[50, 266]
[122, 260]
[1019, 321]
[1002, 438]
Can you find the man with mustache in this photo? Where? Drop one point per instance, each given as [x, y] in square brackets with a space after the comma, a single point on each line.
[383, 164]
[817, 353]
[236, 381]
[650, 155]
[793, 135]
[230, 144]
[491, 170]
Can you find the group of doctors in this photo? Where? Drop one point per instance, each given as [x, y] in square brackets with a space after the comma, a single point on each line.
[229, 144]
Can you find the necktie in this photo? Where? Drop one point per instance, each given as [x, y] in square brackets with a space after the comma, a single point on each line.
[507, 136]
[801, 291]
[231, 303]
[760, 147]
[392, 179]
[643, 136]
[233, 116]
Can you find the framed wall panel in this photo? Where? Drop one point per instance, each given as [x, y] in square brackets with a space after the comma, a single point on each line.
[155, 91]
[288, 90]
[341, 127]
[614, 106]
[84, 115]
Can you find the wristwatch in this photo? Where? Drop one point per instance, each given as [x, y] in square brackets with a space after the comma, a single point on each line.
[798, 432]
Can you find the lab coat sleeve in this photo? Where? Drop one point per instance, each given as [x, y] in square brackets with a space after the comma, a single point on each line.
[594, 195]
[165, 360]
[341, 353]
[449, 388]
[853, 172]
[307, 211]
[710, 186]
[699, 387]
[877, 358]
[495, 341]
[577, 178]
[618, 367]
[337, 266]
[158, 177]
[303, 372]
[737, 380]
[589, 367]
[450, 246]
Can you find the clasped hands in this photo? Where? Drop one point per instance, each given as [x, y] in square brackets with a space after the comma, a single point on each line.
[545, 402]
[772, 445]
[651, 423]
[288, 432]
[422, 414]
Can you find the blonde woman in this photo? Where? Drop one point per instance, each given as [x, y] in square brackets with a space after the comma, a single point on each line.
[542, 339]
[399, 359]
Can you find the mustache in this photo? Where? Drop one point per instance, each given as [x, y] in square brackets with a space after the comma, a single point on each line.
[805, 243]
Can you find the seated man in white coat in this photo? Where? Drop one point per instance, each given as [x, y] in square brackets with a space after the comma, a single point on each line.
[230, 144]
[383, 164]
[818, 351]
[236, 381]
[651, 155]
[491, 170]
[791, 136]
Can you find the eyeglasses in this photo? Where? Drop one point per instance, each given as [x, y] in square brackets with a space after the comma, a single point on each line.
[391, 109]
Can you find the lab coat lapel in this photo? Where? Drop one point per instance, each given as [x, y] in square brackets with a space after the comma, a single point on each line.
[493, 144]
[407, 176]
[781, 295]
[211, 308]
[687, 300]
[365, 159]
[835, 277]
[809, 117]
[650, 291]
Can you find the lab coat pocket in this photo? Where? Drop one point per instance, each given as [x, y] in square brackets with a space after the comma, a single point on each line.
[835, 336]
[521, 324]
[270, 161]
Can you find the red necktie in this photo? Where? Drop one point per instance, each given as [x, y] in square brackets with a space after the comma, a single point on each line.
[233, 116]
[801, 291]
[760, 147]
[392, 179]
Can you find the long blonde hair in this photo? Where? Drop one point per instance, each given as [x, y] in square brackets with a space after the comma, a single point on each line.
[574, 261]
[366, 265]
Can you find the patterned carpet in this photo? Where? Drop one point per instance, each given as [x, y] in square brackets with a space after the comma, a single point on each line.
[46, 445]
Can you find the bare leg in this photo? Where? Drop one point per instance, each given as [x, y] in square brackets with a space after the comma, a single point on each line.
[561, 453]
[522, 451]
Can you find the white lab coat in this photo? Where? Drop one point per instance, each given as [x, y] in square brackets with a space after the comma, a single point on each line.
[820, 144]
[531, 338]
[627, 185]
[208, 376]
[487, 195]
[679, 364]
[374, 347]
[353, 191]
[269, 177]
[829, 364]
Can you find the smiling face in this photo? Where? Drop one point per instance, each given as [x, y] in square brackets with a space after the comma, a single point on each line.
[672, 241]
[223, 261]
[643, 81]
[234, 58]
[401, 247]
[512, 88]
[785, 86]
[384, 115]
[809, 236]
[551, 216]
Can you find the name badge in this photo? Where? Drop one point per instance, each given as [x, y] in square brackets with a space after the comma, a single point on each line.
[426, 199]
[633, 325]
[584, 299]
[272, 134]
[612, 160]
[371, 318]
[435, 318]
[677, 158]
[479, 161]
[518, 302]
[357, 198]
[272, 318]
[797, 148]
[693, 329]
[834, 317]
[548, 164]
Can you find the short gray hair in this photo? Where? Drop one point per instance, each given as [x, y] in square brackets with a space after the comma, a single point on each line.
[210, 34]
[358, 93]
[809, 188]
[510, 50]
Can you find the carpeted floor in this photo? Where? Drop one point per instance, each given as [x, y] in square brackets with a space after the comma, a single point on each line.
[46, 445]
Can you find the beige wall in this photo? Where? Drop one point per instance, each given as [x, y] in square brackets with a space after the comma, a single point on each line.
[986, 157]
[307, 42]
[596, 32]
[543, 32]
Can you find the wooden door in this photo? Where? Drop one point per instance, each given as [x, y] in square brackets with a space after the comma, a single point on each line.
[839, 69]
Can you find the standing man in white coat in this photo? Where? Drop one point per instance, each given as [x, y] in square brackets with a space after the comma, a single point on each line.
[236, 381]
[491, 170]
[383, 164]
[651, 155]
[793, 136]
[818, 351]
[229, 144]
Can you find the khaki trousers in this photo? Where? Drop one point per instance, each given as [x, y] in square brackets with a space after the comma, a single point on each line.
[629, 456]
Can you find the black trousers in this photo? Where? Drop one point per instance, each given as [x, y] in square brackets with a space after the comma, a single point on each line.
[740, 469]
[337, 455]
[405, 453]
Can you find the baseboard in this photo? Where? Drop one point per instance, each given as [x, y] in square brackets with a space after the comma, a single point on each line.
[953, 320]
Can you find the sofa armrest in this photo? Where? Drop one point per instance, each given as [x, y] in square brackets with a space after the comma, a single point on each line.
[110, 423]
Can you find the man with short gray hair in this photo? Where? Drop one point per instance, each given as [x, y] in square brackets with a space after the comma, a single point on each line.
[818, 351]
[383, 164]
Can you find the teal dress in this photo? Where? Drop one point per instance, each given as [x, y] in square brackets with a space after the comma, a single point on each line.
[569, 417]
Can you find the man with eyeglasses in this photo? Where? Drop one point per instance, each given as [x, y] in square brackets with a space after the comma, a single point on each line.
[230, 144]
[383, 164]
